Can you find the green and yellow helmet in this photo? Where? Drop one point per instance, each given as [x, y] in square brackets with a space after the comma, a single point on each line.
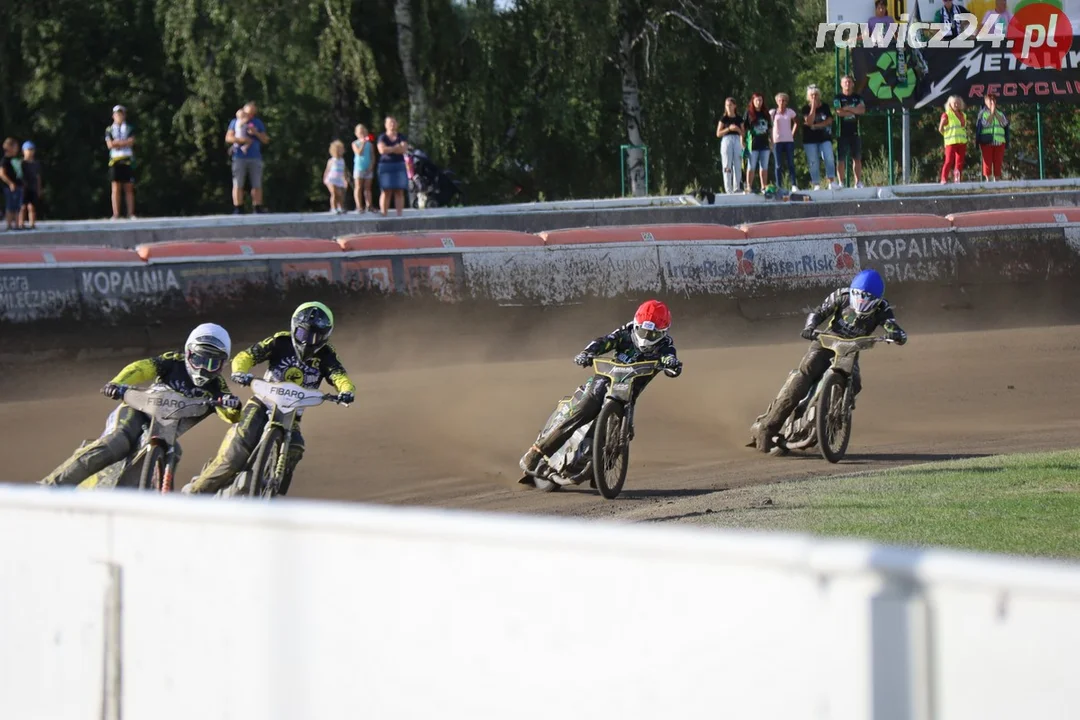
[312, 324]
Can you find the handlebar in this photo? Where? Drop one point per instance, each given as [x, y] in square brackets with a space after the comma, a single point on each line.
[876, 338]
[216, 402]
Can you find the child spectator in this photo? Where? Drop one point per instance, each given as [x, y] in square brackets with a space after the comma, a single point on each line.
[784, 124]
[13, 185]
[334, 177]
[363, 159]
[758, 127]
[954, 128]
[730, 132]
[992, 134]
[240, 131]
[31, 175]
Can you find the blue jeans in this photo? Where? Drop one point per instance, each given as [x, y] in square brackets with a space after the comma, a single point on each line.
[785, 153]
[12, 199]
[814, 153]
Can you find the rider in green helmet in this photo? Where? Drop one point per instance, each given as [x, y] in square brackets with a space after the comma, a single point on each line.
[302, 356]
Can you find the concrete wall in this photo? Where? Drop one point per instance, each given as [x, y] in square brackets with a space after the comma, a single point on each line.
[756, 260]
[126, 605]
[533, 218]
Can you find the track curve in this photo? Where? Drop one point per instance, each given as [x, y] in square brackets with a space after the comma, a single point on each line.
[448, 428]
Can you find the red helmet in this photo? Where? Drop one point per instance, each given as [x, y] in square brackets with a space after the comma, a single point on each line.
[651, 323]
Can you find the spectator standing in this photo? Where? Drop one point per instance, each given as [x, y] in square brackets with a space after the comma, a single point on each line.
[730, 131]
[363, 148]
[849, 106]
[758, 128]
[950, 14]
[953, 127]
[817, 137]
[334, 177]
[784, 123]
[120, 139]
[13, 185]
[999, 18]
[881, 16]
[31, 175]
[393, 178]
[247, 140]
[992, 135]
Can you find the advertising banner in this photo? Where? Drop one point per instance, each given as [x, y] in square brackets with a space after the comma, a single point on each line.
[736, 269]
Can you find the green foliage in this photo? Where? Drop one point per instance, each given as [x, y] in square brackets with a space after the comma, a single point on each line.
[525, 102]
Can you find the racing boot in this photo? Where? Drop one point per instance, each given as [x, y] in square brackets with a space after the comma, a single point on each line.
[586, 407]
[766, 426]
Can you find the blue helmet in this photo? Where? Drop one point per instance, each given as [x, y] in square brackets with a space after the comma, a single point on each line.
[866, 291]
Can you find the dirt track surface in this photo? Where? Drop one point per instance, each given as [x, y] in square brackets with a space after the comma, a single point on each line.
[446, 426]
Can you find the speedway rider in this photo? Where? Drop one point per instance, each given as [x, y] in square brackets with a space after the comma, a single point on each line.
[850, 312]
[644, 338]
[302, 356]
[196, 373]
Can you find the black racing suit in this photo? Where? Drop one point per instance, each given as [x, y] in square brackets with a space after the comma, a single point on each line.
[841, 320]
[589, 397]
[122, 435]
[283, 365]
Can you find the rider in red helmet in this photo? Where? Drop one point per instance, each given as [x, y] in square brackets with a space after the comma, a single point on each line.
[644, 338]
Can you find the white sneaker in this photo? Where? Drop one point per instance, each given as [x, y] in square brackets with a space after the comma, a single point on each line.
[817, 187]
[859, 184]
[794, 188]
[837, 186]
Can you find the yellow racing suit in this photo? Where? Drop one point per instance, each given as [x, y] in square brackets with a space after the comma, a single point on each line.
[283, 365]
[124, 429]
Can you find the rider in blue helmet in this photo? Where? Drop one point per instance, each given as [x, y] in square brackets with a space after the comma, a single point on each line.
[854, 311]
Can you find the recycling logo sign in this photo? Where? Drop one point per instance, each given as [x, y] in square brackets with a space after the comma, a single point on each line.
[901, 86]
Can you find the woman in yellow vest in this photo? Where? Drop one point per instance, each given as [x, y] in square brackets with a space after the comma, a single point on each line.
[954, 128]
[992, 134]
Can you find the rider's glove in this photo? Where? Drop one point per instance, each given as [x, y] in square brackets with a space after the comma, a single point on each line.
[672, 366]
[584, 359]
[346, 398]
[112, 391]
[894, 333]
[808, 332]
[243, 379]
[230, 401]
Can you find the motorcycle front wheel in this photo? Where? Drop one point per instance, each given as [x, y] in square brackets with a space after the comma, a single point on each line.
[153, 469]
[611, 455]
[833, 418]
[262, 481]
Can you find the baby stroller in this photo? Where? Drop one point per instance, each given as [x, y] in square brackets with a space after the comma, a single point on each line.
[430, 186]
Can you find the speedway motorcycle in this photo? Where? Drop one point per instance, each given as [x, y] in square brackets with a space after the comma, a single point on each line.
[153, 465]
[598, 451]
[823, 418]
[265, 470]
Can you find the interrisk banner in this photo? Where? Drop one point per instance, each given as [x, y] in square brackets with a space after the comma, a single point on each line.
[1020, 50]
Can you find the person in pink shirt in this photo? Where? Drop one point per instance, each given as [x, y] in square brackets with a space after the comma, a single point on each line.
[999, 18]
[784, 123]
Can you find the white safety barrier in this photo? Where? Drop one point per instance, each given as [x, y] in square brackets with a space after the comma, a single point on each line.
[119, 605]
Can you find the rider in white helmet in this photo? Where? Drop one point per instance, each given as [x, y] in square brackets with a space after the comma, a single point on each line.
[195, 372]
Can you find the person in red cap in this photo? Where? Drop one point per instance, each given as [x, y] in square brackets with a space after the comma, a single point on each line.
[644, 338]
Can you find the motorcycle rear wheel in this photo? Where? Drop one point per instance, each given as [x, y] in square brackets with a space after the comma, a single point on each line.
[262, 482]
[153, 469]
[611, 455]
[833, 419]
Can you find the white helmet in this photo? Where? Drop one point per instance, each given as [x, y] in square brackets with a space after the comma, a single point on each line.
[206, 351]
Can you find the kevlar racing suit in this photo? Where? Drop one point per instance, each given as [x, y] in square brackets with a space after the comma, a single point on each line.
[125, 427]
[841, 320]
[588, 400]
[283, 365]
